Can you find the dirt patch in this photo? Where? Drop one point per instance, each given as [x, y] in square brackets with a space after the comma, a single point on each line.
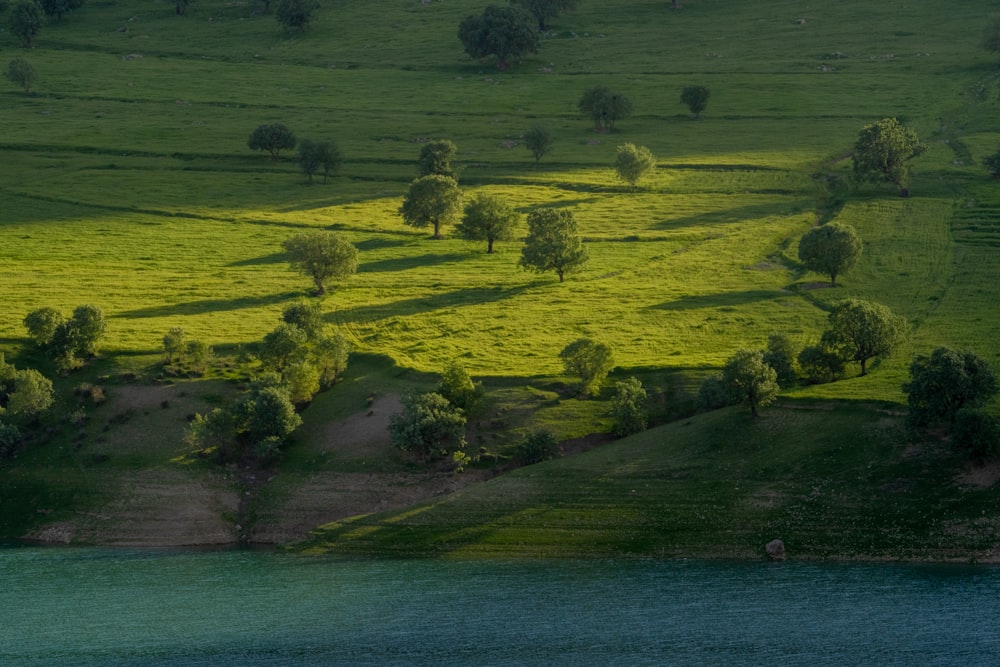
[365, 432]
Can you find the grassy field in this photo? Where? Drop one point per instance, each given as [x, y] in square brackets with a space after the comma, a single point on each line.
[126, 182]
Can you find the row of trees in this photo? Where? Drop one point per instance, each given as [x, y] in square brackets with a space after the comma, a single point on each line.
[315, 156]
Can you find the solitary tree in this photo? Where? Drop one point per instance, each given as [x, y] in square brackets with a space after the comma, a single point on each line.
[605, 107]
[553, 243]
[749, 380]
[588, 360]
[506, 32]
[488, 218]
[431, 200]
[862, 330]
[628, 407]
[831, 249]
[273, 138]
[946, 382]
[696, 99]
[25, 21]
[20, 72]
[323, 256]
[538, 140]
[429, 426]
[543, 10]
[59, 7]
[435, 158]
[882, 153]
[633, 163]
[318, 157]
[296, 15]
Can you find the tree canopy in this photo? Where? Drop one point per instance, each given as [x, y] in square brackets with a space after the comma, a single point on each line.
[553, 243]
[323, 256]
[882, 153]
[749, 380]
[588, 360]
[543, 10]
[25, 21]
[431, 200]
[628, 407]
[696, 99]
[861, 330]
[319, 157]
[20, 72]
[830, 249]
[488, 218]
[506, 32]
[429, 426]
[24, 393]
[633, 163]
[295, 15]
[273, 138]
[946, 382]
[435, 158]
[605, 107]
[59, 7]
[538, 140]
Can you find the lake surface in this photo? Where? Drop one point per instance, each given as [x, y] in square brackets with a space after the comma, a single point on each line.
[110, 607]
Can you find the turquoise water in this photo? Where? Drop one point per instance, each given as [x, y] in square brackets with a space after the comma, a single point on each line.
[105, 607]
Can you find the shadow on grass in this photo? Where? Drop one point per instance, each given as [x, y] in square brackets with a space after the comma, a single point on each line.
[406, 263]
[723, 300]
[379, 244]
[209, 306]
[471, 296]
[273, 258]
[735, 214]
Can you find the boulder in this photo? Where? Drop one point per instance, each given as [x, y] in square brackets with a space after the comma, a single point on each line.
[775, 550]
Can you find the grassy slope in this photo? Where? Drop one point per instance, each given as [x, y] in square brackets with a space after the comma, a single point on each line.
[126, 182]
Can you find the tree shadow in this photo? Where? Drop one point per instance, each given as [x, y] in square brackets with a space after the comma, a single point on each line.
[273, 258]
[209, 306]
[406, 263]
[722, 300]
[379, 244]
[734, 214]
[469, 296]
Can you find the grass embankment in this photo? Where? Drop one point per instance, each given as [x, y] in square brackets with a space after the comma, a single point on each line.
[126, 182]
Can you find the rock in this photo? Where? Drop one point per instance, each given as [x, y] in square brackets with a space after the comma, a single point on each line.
[775, 550]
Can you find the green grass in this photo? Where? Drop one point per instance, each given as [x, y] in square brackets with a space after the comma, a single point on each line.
[126, 182]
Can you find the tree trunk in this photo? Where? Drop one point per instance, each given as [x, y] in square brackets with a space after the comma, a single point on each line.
[437, 229]
[320, 290]
[753, 410]
[560, 272]
[864, 367]
[833, 279]
[489, 246]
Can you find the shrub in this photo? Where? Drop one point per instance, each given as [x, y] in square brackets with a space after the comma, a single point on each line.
[537, 447]
[459, 389]
[629, 407]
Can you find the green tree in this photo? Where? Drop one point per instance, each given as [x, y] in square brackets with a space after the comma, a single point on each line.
[323, 256]
[553, 243]
[214, 432]
[504, 32]
[267, 412]
[605, 107]
[588, 360]
[296, 15]
[319, 157]
[306, 316]
[59, 7]
[543, 10]
[301, 379]
[830, 249]
[780, 354]
[820, 364]
[429, 426]
[282, 346]
[862, 330]
[536, 447]
[431, 200]
[21, 73]
[330, 355]
[696, 99]
[459, 389]
[25, 21]
[197, 355]
[488, 218]
[87, 326]
[435, 158]
[882, 153]
[991, 35]
[946, 382]
[23, 393]
[749, 380]
[538, 140]
[633, 163]
[273, 138]
[628, 407]
[42, 325]
[173, 345]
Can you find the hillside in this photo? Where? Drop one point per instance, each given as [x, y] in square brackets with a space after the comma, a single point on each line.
[127, 183]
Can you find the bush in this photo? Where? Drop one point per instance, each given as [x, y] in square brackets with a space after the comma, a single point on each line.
[537, 447]
[429, 426]
[589, 361]
[781, 355]
[820, 364]
[712, 394]
[629, 407]
[459, 389]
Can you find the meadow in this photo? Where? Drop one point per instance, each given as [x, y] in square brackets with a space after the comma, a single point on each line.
[127, 183]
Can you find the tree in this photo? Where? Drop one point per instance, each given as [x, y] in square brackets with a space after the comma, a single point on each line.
[319, 156]
[543, 10]
[280, 347]
[59, 7]
[589, 361]
[505, 32]
[273, 138]
[696, 99]
[488, 218]
[749, 380]
[42, 325]
[862, 330]
[882, 152]
[946, 382]
[459, 389]
[25, 21]
[633, 163]
[536, 447]
[431, 200]
[780, 354]
[173, 345]
[23, 393]
[628, 408]
[605, 107]
[20, 72]
[330, 354]
[553, 243]
[435, 158]
[712, 394]
[538, 140]
[306, 316]
[820, 364]
[214, 432]
[295, 15]
[991, 35]
[831, 249]
[429, 426]
[323, 256]
[267, 412]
